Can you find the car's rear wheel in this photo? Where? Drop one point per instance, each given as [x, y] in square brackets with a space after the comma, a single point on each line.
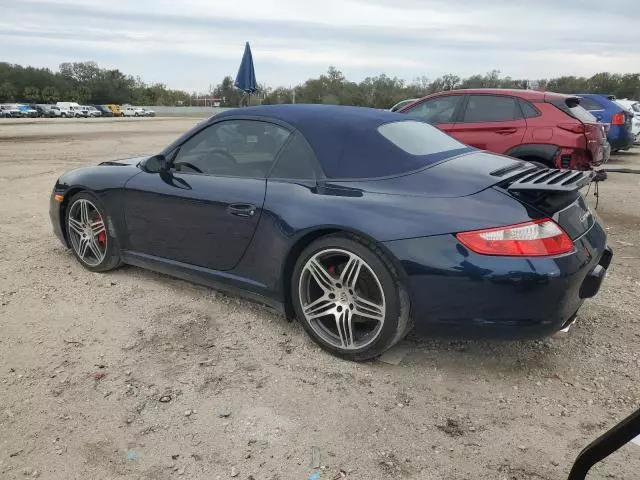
[92, 242]
[348, 297]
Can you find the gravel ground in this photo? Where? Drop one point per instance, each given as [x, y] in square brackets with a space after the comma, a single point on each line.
[133, 374]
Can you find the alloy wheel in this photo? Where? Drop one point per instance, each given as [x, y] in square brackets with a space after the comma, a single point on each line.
[87, 232]
[342, 299]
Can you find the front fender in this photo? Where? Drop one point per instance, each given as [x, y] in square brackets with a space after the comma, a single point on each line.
[105, 182]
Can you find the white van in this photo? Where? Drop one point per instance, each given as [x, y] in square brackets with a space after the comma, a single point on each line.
[66, 108]
[131, 111]
[67, 105]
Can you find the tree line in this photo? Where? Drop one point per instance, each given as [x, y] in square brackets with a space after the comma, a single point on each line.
[82, 82]
[383, 91]
[86, 82]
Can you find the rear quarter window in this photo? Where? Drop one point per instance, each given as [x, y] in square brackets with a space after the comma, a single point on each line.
[418, 138]
[529, 110]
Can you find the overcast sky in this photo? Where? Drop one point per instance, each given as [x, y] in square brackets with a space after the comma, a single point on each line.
[190, 44]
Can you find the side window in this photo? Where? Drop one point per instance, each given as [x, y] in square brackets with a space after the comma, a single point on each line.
[528, 109]
[491, 108]
[590, 104]
[436, 110]
[297, 161]
[237, 148]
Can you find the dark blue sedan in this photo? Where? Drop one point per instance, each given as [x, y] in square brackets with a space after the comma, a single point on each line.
[361, 223]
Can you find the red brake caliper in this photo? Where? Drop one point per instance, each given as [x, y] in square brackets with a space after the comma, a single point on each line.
[102, 236]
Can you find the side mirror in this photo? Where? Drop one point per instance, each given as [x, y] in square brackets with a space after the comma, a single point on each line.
[155, 164]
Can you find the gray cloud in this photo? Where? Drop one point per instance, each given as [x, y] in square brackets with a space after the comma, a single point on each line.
[407, 38]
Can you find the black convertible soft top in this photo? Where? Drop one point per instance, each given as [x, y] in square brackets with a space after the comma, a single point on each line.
[347, 142]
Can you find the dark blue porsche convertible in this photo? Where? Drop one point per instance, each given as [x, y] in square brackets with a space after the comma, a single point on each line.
[361, 223]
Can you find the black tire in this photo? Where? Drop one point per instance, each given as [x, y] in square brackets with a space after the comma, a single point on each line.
[397, 320]
[112, 258]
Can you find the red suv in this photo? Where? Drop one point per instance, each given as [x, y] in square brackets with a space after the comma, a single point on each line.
[548, 128]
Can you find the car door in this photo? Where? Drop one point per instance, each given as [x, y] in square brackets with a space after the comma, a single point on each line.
[440, 111]
[491, 122]
[205, 209]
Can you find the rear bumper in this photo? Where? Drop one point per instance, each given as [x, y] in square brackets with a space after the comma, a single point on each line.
[457, 292]
[620, 138]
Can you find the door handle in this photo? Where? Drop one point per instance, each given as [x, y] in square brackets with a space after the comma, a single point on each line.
[506, 131]
[242, 209]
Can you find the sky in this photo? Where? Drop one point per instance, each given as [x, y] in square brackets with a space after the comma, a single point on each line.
[191, 44]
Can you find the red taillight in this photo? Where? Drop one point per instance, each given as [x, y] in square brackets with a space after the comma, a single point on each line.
[618, 119]
[572, 127]
[531, 239]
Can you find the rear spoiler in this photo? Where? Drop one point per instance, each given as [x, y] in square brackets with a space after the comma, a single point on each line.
[524, 177]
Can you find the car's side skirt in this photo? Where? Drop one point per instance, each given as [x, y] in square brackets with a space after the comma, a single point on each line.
[223, 281]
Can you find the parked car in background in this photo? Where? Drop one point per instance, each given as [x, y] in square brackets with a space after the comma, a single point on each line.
[544, 127]
[27, 111]
[11, 111]
[43, 110]
[148, 112]
[67, 105]
[606, 110]
[104, 110]
[634, 107]
[131, 111]
[78, 111]
[92, 111]
[402, 104]
[115, 109]
[40, 111]
[548, 128]
[52, 111]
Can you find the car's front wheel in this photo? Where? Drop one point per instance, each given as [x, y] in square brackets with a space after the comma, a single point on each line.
[348, 297]
[92, 242]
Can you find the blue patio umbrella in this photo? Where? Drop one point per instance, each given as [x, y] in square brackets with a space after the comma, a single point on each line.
[246, 78]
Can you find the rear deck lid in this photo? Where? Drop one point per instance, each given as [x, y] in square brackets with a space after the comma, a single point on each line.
[555, 193]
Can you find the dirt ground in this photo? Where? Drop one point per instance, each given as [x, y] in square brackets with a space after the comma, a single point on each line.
[137, 375]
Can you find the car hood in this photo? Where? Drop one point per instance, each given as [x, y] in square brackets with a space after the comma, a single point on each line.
[457, 177]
